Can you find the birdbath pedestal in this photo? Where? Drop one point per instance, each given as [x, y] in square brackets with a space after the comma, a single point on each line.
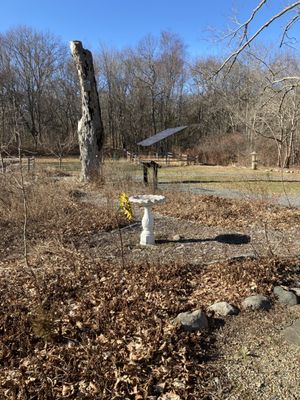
[147, 201]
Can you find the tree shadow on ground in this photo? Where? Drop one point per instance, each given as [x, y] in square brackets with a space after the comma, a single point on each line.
[230, 238]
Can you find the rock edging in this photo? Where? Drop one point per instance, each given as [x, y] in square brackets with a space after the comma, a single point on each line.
[197, 320]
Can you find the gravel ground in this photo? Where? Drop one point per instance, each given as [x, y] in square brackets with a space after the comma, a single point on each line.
[197, 242]
[258, 362]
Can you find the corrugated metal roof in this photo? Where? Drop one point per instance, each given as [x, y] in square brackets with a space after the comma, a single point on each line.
[160, 136]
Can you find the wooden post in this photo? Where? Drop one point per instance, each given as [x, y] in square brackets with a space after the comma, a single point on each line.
[90, 126]
[145, 174]
[166, 151]
[254, 160]
[155, 168]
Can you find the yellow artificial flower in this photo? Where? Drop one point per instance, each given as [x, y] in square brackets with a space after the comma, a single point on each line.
[125, 206]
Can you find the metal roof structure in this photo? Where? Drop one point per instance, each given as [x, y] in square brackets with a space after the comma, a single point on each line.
[160, 136]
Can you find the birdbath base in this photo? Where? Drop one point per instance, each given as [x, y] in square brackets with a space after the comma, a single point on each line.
[147, 238]
[147, 201]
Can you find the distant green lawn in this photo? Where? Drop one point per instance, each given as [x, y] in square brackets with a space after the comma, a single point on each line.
[233, 178]
[69, 164]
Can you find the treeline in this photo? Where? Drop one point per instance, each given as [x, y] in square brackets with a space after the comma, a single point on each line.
[254, 106]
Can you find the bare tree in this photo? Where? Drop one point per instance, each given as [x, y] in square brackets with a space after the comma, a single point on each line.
[64, 112]
[33, 59]
[275, 114]
[148, 88]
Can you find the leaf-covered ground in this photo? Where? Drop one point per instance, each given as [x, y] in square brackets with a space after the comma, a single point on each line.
[80, 325]
[74, 327]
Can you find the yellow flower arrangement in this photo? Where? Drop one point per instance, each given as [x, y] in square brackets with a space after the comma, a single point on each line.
[125, 206]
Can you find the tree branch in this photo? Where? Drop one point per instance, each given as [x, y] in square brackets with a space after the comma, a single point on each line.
[288, 26]
[231, 59]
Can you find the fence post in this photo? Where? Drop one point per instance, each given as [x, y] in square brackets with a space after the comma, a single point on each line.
[254, 160]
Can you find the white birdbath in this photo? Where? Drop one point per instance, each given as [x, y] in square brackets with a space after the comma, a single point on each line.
[147, 201]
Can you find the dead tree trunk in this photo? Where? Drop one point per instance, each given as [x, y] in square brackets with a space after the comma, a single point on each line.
[90, 126]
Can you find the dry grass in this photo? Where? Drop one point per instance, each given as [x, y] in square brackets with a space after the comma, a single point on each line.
[55, 211]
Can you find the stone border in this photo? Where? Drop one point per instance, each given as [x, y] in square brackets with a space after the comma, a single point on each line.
[197, 320]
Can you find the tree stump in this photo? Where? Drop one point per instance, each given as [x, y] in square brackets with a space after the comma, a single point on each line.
[90, 126]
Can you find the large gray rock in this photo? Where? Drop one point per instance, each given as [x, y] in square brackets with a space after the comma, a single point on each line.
[285, 296]
[292, 333]
[223, 308]
[192, 321]
[296, 290]
[295, 310]
[257, 302]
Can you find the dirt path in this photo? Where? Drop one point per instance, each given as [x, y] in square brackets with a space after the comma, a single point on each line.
[198, 182]
[283, 200]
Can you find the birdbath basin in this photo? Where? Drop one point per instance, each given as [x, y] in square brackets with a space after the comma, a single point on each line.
[147, 201]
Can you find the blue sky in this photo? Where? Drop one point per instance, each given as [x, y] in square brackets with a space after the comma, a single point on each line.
[122, 23]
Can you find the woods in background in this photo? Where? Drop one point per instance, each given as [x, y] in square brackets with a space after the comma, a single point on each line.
[149, 88]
